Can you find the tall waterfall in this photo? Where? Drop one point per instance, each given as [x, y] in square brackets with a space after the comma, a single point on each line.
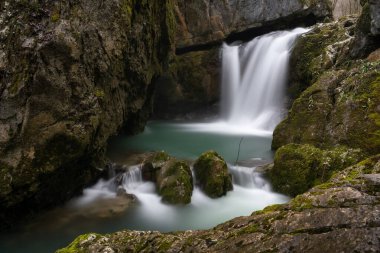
[254, 76]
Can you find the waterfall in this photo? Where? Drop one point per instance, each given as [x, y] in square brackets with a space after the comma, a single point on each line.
[132, 178]
[248, 178]
[254, 76]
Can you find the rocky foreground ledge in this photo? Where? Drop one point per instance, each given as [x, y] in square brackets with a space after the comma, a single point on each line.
[342, 215]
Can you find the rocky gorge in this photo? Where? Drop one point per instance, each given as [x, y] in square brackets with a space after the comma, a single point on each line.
[74, 74]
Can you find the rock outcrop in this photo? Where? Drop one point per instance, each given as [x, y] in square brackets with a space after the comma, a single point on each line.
[72, 74]
[342, 215]
[211, 174]
[340, 105]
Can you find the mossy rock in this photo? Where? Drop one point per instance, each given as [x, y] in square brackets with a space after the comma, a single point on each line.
[175, 182]
[315, 52]
[340, 108]
[152, 163]
[212, 175]
[297, 168]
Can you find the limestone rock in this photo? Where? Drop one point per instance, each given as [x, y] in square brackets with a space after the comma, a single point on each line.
[212, 175]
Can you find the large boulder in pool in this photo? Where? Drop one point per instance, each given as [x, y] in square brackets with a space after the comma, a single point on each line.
[175, 182]
[212, 175]
[152, 164]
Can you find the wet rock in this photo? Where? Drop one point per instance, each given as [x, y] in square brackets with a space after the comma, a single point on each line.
[175, 182]
[152, 164]
[212, 175]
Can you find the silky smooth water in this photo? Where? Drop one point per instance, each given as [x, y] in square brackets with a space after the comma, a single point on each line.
[254, 76]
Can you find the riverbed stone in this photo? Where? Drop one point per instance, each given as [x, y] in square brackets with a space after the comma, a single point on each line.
[211, 173]
[175, 182]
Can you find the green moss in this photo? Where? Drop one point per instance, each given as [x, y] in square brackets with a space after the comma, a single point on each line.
[250, 229]
[55, 17]
[175, 182]
[300, 203]
[212, 174]
[297, 168]
[99, 93]
[77, 245]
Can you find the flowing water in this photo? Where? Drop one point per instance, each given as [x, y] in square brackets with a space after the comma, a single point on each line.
[253, 79]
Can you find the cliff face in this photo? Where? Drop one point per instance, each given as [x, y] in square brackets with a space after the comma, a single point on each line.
[72, 74]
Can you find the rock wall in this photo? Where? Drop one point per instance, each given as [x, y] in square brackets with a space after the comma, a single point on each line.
[206, 21]
[72, 74]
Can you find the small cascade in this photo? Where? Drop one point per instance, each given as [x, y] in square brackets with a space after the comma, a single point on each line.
[132, 178]
[248, 178]
[254, 76]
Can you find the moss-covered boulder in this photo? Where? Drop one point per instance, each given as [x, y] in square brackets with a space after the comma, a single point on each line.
[152, 164]
[297, 168]
[175, 182]
[212, 175]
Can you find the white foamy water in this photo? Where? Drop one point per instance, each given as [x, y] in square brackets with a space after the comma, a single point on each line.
[254, 76]
[251, 192]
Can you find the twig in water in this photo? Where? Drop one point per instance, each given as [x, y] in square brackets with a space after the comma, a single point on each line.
[238, 154]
